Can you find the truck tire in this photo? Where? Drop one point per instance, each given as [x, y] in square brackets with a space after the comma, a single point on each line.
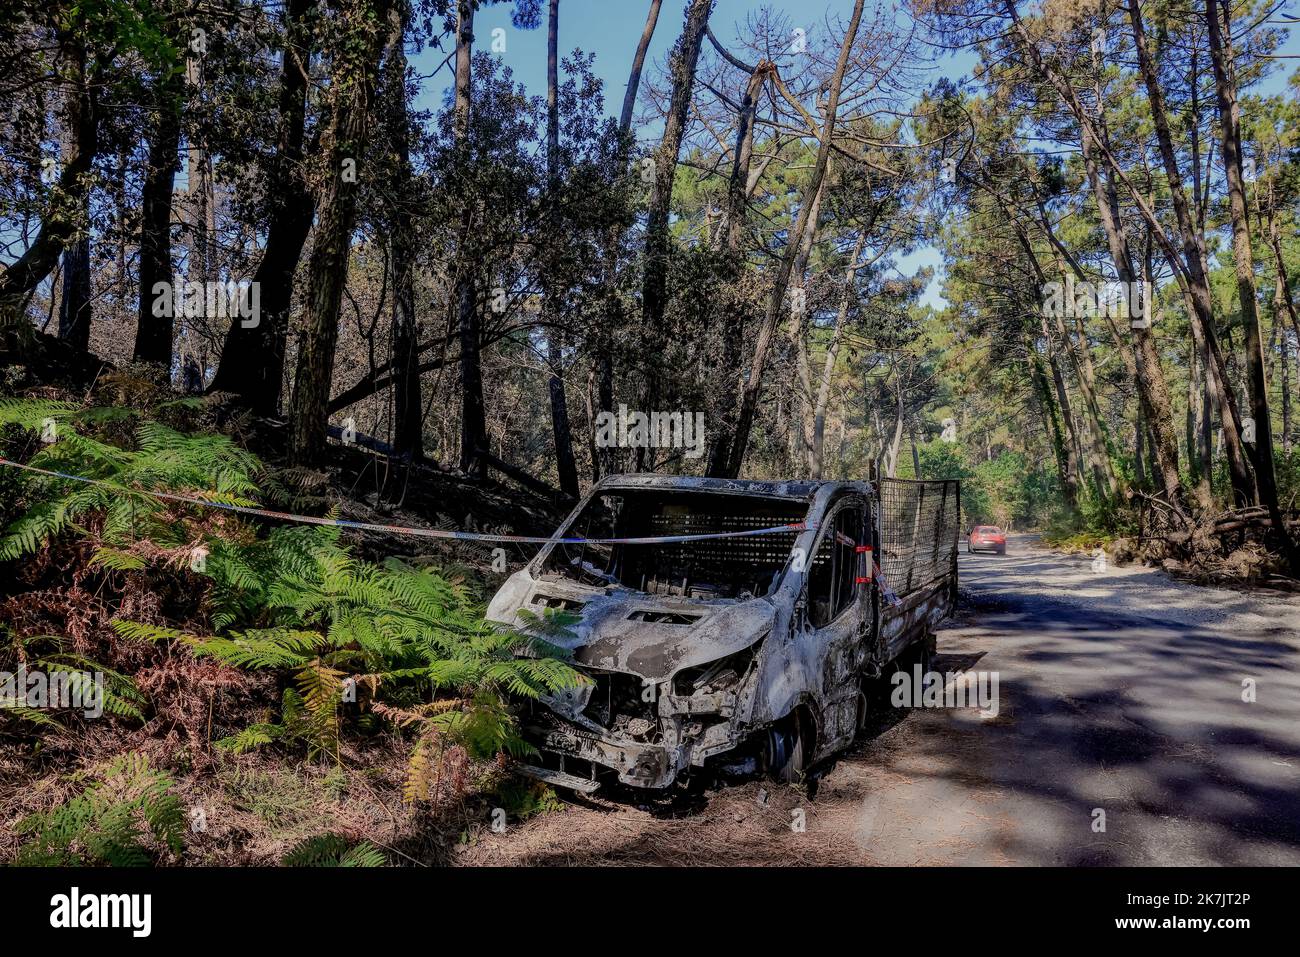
[788, 750]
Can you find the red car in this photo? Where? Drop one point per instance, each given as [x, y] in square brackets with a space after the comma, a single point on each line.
[987, 538]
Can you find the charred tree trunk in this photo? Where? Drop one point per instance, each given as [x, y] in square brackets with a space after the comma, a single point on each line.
[685, 57]
[198, 224]
[658, 244]
[343, 143]
[736, 215]
[153, 336]
[74, 303]
[408, 409]
[566, 466]
[603, 460]
[252, 358]
[473, 418]
[198, 193]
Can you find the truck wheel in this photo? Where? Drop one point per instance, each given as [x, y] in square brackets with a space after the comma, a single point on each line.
[863, 712]
[787, 755]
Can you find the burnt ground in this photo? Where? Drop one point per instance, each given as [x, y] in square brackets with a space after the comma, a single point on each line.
[1120, 691]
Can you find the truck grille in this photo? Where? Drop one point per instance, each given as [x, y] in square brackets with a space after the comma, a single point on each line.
[617, 703]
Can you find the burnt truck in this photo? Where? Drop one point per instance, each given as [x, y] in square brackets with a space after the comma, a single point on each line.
[751, 634]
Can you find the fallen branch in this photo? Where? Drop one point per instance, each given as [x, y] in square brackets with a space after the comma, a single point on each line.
[549, 492]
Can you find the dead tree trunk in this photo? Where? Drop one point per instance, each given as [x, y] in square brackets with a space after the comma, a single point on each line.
[408, 409]
[736, 216]
[1225, 83]
[253, 355]
[75, 310]
[603, 459]
[763, 341]
[566, 466]
[353, 75]
[153, 336]
[473, 418]
[638, 64]
[658, 242]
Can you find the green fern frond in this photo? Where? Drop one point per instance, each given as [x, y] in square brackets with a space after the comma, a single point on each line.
[116, 559]
[252, 737]
[334, 850]
[141, 631]
[106, 823]
[32, 413]
[35, 716]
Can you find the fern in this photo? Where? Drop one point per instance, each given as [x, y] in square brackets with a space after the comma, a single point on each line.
[119, 820]
[45, 653]
[117, 559]
[334, 850]
[162, 460]
[254, 736]
[35, 716]
[32, 413]
[139, 631]
[293, 601]
[320, 688]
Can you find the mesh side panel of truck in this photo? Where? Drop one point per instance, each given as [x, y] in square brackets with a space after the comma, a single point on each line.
[918, 531]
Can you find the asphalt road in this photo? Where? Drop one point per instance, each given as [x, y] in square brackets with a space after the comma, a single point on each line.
[1120, 693]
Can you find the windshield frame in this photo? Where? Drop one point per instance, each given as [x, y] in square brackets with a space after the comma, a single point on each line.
[538, 569]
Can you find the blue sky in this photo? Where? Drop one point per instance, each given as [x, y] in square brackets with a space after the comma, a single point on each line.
[611, 29]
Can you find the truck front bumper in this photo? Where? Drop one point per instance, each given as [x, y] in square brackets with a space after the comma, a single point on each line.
[582, 755]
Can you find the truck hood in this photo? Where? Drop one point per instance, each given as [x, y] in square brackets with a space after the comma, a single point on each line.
[653, 637]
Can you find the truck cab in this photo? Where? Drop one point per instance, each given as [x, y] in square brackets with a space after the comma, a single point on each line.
[723, 622]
